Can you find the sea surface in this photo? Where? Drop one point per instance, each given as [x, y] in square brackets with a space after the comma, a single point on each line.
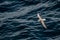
[19, 21]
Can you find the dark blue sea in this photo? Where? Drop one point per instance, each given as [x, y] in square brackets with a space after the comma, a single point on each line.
[19, 21]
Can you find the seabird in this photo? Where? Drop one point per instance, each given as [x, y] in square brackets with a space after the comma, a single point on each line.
[42, 21]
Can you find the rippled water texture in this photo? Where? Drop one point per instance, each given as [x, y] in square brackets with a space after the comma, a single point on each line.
[19, 21]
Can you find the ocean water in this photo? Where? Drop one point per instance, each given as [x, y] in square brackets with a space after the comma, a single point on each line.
[19, 21]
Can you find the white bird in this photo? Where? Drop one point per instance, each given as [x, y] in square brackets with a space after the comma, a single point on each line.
[42, 21]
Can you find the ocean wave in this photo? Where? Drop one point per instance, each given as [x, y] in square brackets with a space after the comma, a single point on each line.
[19, 21]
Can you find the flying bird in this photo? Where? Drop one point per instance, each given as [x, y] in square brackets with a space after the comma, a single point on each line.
[42, 21]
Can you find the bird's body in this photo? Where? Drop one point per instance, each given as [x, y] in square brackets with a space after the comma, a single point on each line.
[42, 21]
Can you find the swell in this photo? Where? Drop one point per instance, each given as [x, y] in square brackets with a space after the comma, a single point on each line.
[18, 20]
